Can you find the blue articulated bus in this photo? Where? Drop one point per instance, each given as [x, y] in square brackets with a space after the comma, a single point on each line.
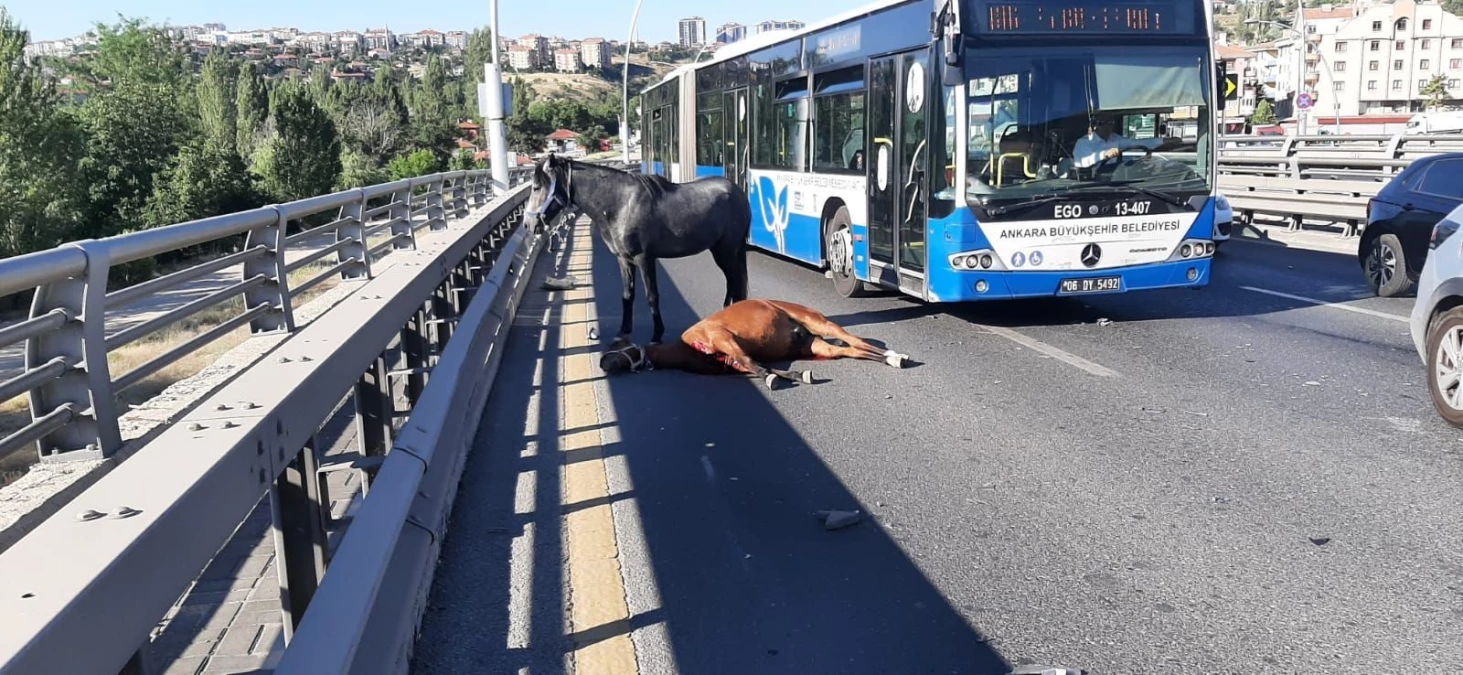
[962, 150]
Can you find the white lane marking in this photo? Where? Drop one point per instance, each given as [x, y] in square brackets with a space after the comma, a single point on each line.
[1058, 354]
[1323, 303]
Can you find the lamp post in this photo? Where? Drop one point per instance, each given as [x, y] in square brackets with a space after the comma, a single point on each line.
[497, 136]
[625, 102]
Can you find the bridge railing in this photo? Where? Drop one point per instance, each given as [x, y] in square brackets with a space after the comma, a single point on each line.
[67, 376]
[1322, 178]
[134, 541]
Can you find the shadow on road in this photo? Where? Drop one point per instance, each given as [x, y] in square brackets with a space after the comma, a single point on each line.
[748, 579]
[1331, 277]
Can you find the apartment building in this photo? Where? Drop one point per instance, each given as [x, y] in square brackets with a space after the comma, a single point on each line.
[692, 31]
[567, 61]
[1381, 60]
[595, 52]
[728, 33]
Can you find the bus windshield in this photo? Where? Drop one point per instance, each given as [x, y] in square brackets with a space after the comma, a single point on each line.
[1082, 119]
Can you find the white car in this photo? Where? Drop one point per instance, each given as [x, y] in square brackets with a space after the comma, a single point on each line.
[1223, 219]
[1437, 318]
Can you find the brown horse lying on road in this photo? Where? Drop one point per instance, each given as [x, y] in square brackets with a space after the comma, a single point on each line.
[743, 336]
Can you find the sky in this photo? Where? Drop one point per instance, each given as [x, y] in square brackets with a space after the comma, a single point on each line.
[53, 19]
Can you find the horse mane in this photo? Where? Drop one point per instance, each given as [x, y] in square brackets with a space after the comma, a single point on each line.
[653, 184]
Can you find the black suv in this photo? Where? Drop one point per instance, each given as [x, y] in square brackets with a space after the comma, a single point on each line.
[1400, 219]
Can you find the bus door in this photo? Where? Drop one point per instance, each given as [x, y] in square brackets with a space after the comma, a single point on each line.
[898, 158]
[738, 132]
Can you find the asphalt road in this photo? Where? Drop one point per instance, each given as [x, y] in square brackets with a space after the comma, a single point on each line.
[1221, 480]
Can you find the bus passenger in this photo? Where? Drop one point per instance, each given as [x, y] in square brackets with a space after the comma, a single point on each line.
[1101, 143]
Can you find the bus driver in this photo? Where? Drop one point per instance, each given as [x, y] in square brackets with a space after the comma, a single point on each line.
[1102, 143]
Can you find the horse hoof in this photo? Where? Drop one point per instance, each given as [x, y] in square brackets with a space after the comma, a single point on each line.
[807, 377]
[771, 381]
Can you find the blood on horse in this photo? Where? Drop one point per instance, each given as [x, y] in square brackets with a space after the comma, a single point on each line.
[745, 335]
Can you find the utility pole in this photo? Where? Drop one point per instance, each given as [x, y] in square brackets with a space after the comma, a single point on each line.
[1300, 60]
[497, 136]
[625, 103]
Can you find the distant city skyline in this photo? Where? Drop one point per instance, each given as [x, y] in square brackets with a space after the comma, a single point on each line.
[659, 19]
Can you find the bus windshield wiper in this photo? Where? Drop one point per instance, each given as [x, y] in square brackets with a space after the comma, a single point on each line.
[1036, 200]
[1123, 187]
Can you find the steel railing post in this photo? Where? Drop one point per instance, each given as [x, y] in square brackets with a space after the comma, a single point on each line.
[436, 212]
[354, 228]
[374, 408]
[85, 387]
[406, 237]
[414, 348]
[275, 290]
[296, 506]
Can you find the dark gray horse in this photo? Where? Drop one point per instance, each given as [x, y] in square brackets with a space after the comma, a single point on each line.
[643, 218]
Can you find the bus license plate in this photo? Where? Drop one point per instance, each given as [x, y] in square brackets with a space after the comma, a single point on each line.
[1092, 285]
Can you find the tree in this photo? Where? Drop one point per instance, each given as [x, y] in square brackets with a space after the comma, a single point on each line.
[302, 156]
[359, 170]
[206, 179]
[433, 127]
[1435, 91]
[41, 202]
[135, 52]
[218, 100]
[252, 110]
[1264, 113]
[419, 163]
[133, 131]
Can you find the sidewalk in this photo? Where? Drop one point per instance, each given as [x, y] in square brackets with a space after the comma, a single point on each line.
[1313, 237]
[545, 533]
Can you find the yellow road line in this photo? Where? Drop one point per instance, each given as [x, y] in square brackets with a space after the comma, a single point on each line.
[599, 615]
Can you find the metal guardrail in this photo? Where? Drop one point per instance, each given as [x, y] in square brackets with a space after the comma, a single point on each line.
[1319, 178]
[130, 545]
[365, 616]
[67, 376]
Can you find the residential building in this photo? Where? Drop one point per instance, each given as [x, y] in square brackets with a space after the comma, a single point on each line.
[315, 42]
[1381, 60]
[538, 45]
[380, 38]
[595, 53]
[456, 39]
[692, 31]
[1240, 63]
[728, 33]
[567, 61]
[522, 58]
[348, 41]
[767, 26]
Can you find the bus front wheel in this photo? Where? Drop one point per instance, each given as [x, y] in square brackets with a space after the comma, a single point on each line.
[838, 250]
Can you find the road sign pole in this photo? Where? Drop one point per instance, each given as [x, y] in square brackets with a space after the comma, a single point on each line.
[497, 135]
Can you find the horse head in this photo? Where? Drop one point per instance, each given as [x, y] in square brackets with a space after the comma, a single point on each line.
[550, 193]
[624, 357]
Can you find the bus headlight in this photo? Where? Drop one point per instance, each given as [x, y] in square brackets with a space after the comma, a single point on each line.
[984, 259]
[1192, 249]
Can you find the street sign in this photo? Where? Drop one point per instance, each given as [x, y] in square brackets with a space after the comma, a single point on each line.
[1231, 86]
[1304, 101]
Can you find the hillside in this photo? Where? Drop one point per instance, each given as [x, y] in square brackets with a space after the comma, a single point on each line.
[590, 87]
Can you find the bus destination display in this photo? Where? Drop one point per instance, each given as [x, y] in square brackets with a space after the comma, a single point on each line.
[1036, 16]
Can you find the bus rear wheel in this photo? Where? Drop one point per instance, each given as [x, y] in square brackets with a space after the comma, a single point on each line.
[838, 250]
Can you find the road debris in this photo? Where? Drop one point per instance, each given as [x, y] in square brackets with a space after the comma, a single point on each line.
[1047, 670]
[834, 520]
[1104, 322]
[1320, 541]
[1311, 383]
[561, 283]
